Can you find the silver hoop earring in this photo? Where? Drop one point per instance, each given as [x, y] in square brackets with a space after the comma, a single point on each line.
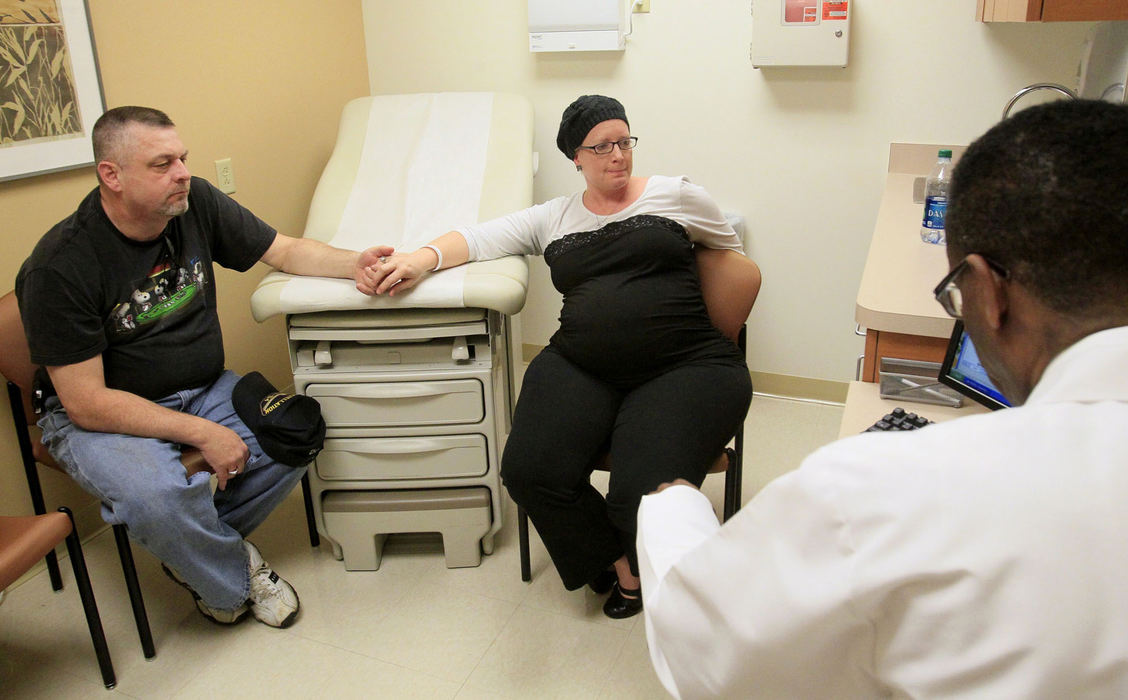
[579, 169]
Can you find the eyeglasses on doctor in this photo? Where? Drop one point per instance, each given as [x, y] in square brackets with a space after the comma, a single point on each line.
[948, 294]
[605, 148]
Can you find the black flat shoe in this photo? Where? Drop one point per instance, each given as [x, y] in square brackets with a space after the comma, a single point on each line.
[603, 582]
[619, 606]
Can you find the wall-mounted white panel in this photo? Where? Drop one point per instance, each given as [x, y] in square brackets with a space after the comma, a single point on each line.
[800, 32]
[577, 25]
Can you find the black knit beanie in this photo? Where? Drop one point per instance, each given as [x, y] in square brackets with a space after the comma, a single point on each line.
[581, 116]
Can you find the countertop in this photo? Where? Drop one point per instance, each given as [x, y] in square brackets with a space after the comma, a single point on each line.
[901, 270]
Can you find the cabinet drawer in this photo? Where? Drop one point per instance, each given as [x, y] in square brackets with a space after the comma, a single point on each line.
[881, 344]
[380, 404]
[433, 457]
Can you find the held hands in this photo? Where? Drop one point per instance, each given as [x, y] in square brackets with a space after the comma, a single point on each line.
[381, 270]
[371, 257]
[225, 451]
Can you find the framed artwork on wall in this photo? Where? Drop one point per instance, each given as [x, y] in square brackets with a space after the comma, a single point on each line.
[50, 90]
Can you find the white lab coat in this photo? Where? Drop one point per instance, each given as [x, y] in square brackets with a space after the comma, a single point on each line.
[985, 557]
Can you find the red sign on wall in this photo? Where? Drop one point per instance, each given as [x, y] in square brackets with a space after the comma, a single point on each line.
[834, 10]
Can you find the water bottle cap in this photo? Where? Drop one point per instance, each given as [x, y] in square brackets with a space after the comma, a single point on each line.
[944, 153]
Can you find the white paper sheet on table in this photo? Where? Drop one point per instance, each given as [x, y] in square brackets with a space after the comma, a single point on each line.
[420, 175]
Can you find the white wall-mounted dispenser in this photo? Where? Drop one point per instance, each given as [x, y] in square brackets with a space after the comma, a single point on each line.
[577, 25]
[1104, 63]
[800, 32]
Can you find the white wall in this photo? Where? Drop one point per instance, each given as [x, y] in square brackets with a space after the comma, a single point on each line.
[800, 152]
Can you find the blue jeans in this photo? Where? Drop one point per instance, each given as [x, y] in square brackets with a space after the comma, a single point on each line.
[142, 484]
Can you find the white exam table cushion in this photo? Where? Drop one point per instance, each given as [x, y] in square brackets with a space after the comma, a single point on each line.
[405, 169]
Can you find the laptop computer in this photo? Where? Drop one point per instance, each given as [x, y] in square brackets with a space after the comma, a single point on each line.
[963, 372]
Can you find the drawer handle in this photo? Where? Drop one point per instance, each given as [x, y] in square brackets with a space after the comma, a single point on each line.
[398, 447]
[395, 390]
[323, 355]
[460, 351]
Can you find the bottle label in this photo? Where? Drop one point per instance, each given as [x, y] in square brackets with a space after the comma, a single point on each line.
[932, 228]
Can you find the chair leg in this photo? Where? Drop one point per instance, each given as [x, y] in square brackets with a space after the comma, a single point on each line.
[129, 570]
[53, 571]
[523, 543]
[31, 472]
[734, 476]
[89, 605]
[311, 523]
[39, 507]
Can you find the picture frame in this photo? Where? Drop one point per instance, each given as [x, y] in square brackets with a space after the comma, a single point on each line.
[50, 87]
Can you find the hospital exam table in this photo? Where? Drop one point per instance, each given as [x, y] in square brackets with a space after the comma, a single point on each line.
[416, 390]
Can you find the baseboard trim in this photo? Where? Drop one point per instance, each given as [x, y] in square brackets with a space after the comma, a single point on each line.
[529, 351]
[801, 388]
[782, 385]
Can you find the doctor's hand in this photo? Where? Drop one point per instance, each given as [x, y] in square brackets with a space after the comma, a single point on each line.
[398, 273]
[376, 255]
[676, 482]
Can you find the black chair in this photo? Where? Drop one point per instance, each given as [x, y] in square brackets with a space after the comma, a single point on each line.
[18, 370]
[26, 539]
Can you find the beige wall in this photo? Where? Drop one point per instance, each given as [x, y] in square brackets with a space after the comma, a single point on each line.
[259, 81]
[800, 152]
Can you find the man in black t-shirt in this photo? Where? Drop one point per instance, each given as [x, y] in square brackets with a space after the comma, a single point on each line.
[119, 304]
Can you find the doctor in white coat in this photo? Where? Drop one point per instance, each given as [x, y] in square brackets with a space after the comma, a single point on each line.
[985, 557]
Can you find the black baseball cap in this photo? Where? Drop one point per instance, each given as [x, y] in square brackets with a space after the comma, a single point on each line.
[289, 427]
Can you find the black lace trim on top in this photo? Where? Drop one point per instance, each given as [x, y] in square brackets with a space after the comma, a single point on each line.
[611, 231]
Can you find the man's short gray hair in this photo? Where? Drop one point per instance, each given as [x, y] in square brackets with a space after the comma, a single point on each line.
[108, 135]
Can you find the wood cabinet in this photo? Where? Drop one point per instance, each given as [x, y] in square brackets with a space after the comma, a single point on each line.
[900, 346]
[1050, 10]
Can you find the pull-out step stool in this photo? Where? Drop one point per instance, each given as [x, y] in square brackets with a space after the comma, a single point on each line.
[461, 516]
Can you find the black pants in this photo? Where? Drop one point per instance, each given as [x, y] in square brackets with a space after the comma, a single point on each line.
[672, 426]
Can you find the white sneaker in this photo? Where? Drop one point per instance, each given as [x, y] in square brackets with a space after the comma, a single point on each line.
[273, 601]
[223, 617]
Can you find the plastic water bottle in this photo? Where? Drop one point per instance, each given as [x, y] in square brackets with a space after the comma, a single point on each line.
[936, 199]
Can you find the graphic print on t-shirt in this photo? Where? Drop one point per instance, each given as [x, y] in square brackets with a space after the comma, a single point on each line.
[166, 290]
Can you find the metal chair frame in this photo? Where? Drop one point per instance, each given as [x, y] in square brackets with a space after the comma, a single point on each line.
[39, 532]
[192, 459]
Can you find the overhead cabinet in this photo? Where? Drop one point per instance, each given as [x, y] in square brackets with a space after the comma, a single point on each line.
[1051, 10]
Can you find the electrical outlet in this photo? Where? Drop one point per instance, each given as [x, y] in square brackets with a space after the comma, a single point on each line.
[640, 6]
[225, 175]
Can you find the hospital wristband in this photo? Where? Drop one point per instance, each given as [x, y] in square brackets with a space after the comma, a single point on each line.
[439, 253]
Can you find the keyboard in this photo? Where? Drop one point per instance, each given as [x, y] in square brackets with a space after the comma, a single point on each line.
[898, 419]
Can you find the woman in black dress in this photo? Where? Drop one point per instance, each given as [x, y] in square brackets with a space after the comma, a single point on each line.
[637, 367]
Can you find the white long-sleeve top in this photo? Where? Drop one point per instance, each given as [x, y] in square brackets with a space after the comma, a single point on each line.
[529, 231]
[985, 557]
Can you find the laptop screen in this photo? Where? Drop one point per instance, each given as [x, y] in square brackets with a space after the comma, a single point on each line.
[963, 372]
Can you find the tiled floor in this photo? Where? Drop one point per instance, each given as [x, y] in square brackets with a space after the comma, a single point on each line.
[412, 629]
